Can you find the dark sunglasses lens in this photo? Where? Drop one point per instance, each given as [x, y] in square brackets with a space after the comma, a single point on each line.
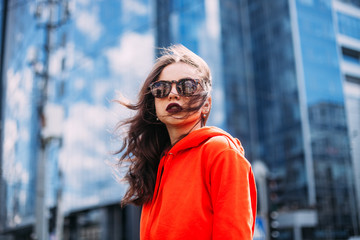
[186, 87]
[160, 89]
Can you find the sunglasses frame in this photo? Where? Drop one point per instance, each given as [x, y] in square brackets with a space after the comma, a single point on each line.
[177, 83]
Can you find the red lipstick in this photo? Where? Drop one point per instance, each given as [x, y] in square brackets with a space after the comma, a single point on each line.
[173, 108]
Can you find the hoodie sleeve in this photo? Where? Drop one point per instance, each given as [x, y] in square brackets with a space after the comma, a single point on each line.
[233, 193]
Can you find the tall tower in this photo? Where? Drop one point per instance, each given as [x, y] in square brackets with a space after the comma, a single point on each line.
[297, 72]
[282, 74]
[3, 17]
[347, 15]
[196, 25]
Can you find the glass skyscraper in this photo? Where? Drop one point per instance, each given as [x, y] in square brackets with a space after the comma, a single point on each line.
[347, 15]
[284, 80]
[18, 136]
[74, 134]
[195, 24]
[303, 134]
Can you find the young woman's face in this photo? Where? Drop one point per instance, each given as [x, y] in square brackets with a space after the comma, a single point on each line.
[171, 109]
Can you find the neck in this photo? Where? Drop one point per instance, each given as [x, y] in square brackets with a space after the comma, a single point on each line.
[177, 133]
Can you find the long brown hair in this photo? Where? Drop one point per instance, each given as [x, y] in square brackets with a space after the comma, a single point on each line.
[147, 138]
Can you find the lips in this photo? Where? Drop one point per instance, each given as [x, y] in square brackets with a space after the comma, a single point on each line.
[173, 108]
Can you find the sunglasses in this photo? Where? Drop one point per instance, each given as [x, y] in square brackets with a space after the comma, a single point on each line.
[185, 87]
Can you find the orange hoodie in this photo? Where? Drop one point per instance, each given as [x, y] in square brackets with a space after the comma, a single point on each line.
[205, 189]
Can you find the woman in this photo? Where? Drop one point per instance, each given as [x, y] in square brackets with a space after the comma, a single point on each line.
[192, 181]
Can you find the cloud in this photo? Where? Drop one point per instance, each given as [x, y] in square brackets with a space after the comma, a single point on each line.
[79, 84]
[77, 59]
[14, 171]
[101, 90]
[18, 93]
[84, 153]
[130, 7]
[55, 64]
[88, 23]
[83, 2]
[17, 114]
[212, 18]
[13, 79]
[93, 197]
[77, 201]
[131, 59]
[11, 136]
[83, 125]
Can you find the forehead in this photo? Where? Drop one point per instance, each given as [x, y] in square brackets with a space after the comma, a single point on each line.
[177, 71]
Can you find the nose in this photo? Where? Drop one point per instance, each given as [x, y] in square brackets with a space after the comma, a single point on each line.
[173, 93]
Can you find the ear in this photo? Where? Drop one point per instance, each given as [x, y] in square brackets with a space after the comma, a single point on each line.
[207, 106]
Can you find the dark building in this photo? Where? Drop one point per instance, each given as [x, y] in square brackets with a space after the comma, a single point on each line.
[282, 78]
[103, 222]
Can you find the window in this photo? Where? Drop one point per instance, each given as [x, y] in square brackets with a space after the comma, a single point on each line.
[350, 55]
[352, 79]
[349, 25]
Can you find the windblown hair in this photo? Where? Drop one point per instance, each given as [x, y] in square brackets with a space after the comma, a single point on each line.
[147, 138]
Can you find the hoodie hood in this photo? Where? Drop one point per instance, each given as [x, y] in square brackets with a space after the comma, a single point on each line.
[197, 137]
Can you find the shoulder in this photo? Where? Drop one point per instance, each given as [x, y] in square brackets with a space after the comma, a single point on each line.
[222, 143]
[220, 140]
[222, 149]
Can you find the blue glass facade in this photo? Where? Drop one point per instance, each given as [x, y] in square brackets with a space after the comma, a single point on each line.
[277, 102]
[334, 180]
[85, 67]
[20, 122]
[298, 95]
[195, 24]
[3, 211]
[113, 55]
[349, 25]
[352, 2]
[179, 22]
[347, 20]
[236, 74]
